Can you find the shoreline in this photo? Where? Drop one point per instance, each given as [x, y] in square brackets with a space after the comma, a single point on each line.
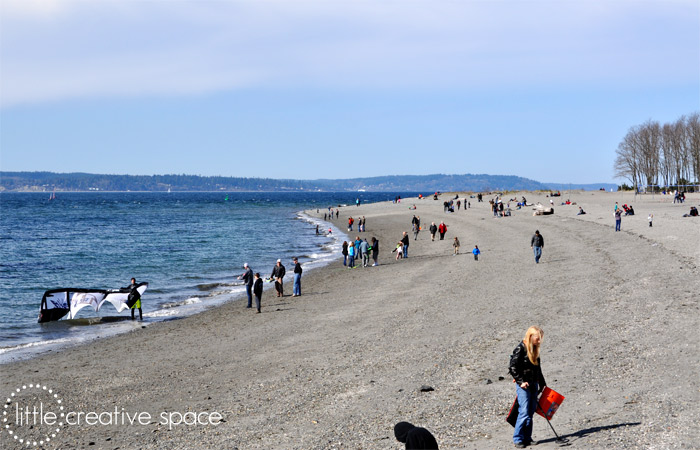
[120, 324]
[338, 366]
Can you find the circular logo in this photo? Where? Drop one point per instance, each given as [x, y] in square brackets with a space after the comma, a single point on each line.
[33, 415]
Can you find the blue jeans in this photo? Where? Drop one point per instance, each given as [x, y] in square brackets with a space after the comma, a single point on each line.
[345, 260]
[527, 403]
[351, 261]
[297, 284]
[405, 251]
[617, 225]
[248, 291]
[538, 253]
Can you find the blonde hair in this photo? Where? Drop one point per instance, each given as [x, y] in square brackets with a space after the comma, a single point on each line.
[533, 351]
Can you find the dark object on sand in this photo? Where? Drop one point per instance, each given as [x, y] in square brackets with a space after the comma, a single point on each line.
[414, 437]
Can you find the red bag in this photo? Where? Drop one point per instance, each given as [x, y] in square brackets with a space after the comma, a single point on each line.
[550, 400]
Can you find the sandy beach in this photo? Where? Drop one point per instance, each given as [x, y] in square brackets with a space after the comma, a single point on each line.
[337, 367]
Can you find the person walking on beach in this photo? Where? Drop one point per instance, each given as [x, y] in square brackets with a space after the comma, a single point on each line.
[526, 371]
[476, 252]
[442, 229]
[618, 219]
[278, 272]
[375, 251]
[345, 253]
[247, 278]
[134, 299]
[258, 290]
[651, 218]
[362, 224]
[455, 244]
[406, 241]
[433, 230]
[296, 291]
[415, 438]
[350, 222]
[364, 252]
[337, 213]
[351, 255]
[537, 243]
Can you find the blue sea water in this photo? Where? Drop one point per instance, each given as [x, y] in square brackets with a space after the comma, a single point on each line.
[189, 247]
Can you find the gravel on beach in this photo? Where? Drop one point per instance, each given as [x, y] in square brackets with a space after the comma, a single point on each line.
[337, 367]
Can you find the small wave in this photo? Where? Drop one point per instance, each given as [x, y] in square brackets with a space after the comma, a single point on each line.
[189, 301]
[95, 320]
[212, 286]
[162, 313]
[32, 344]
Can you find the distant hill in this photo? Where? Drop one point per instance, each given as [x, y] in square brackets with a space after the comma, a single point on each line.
[47, 181]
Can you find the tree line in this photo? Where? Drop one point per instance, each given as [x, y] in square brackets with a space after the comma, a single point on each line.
[655, 154]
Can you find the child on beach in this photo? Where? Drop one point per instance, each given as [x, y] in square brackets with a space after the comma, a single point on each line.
[455, 244]
[398, 250]
[476, 252]
[651, 217]
[257, 290]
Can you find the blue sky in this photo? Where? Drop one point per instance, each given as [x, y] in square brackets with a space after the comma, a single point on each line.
[339, 89]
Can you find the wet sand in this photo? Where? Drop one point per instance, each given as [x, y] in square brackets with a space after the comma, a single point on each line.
[337, 367]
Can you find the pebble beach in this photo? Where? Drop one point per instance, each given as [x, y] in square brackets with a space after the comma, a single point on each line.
[425, 339]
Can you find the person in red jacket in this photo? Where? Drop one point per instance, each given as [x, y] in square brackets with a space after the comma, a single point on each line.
[442, 229]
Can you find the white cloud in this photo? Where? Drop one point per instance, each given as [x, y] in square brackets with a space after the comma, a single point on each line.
[53, 50]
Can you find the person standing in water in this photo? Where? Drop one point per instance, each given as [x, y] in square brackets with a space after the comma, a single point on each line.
[134, 299]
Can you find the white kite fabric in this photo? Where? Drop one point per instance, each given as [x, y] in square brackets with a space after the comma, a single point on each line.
[56, 303]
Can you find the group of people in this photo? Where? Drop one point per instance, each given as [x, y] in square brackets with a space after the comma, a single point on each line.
[329, 215]
[254, 283]
[360, 249]
[360, 224]
[401, 248]
[449, 205]
[442, 229]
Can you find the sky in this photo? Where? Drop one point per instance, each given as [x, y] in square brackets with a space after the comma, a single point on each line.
[340, 89]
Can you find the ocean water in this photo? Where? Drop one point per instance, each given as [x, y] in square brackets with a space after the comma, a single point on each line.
[189, 247]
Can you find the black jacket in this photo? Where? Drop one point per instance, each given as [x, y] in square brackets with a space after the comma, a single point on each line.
[522, 370]
[405, 240]
[258, 287]
[433, 229]
[297, 268]
[248, 276]
[537, 240]
[278, 271]
[375, 248]
[134, 294]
